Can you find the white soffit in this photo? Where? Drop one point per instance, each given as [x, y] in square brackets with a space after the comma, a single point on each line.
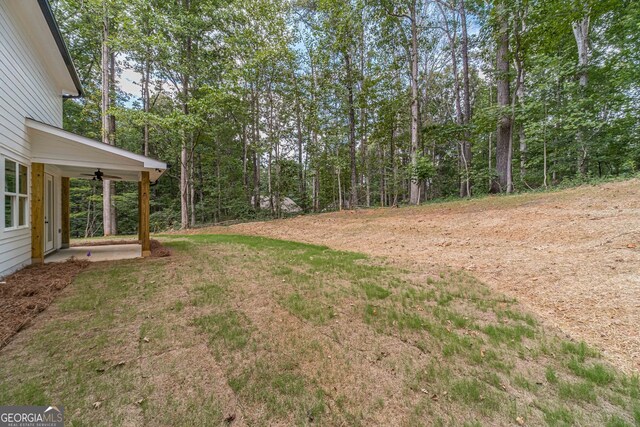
[79, 155]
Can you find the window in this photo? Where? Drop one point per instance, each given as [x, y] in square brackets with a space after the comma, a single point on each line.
[16, 195]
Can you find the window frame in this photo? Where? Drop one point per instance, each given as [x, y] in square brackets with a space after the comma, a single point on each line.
[16, 196]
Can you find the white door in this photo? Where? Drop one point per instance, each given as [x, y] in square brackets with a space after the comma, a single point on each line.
[49, 222]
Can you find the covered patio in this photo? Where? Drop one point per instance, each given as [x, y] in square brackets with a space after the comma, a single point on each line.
[97, 253]
[57, 153]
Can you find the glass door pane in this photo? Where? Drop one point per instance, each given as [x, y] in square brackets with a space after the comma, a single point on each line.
[49, 219]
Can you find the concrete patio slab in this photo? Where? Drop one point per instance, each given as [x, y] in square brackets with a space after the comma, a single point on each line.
[96, 253]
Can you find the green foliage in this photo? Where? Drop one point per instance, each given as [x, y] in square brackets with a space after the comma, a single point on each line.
[261, 100]
[424, 169]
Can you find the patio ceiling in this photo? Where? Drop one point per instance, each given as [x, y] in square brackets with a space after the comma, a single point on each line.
[79, 157]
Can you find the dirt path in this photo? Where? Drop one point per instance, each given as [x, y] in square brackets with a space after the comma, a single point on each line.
[571, 257]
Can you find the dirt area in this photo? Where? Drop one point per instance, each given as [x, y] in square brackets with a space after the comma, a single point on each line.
[26, 293]
[571, 257]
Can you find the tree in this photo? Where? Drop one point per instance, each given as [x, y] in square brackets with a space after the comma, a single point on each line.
[331, 102]
[504, 150]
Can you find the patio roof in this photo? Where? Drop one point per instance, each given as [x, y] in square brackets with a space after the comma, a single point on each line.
[79, 157]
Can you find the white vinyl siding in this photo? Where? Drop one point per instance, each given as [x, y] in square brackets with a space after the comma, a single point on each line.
[26, 90]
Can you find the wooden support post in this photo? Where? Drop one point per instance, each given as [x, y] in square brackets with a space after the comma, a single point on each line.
[37, 213]
[66, 212]
[143, 230]
[140, 212]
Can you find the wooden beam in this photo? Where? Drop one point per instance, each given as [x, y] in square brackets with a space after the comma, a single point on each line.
[139, 212]
[37, 213]
[143, 229]
[66, 211]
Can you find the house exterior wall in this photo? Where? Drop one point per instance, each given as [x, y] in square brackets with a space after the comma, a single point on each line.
[26, 90]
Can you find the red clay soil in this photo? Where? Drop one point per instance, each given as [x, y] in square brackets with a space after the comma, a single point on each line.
[26, 293]
[571, 257]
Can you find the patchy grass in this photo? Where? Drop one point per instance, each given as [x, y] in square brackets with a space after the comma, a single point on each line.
[307, 309]
[551, 376]
[227, 329]
[579, 391]
[558, 417]
[596, 373]
[280, 390]
[373, 291]
[281, 333]
[475, 393]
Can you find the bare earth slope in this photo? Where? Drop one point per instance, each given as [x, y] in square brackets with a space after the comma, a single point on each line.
[571, 257]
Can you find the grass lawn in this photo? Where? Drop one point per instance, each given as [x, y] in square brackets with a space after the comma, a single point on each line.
[237, 330]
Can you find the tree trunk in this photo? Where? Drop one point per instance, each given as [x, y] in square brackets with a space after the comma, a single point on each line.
[112, 138]
[521, 135]
[245, 158]
[544, 147]
[383, 183]
[415, 104]
[365, 181]
[353, 199]
[107, 138]
[394, 165]
[184, 183]
[316, 191]
[269, 187]
[146, 106]
[218, 184]
[256, 152]
[465, 187]
[339, 192]
[256, 180]
[314, 163]
[462, 161]
[184, 151]
[302, 187]
[201, 188]
[581, 34]
[192, 187]
[245, 161]
[364, 155]
[520, 93]
[503, 143]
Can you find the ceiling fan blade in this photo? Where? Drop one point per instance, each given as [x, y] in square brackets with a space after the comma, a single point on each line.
[87, 174]
[111, 177]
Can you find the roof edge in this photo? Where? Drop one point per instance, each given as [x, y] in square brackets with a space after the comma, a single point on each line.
[148, 162]
[45, 7]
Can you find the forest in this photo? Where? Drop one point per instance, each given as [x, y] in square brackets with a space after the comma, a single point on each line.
[338, 104]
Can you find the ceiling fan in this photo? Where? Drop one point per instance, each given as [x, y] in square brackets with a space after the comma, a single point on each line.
[99, 175]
